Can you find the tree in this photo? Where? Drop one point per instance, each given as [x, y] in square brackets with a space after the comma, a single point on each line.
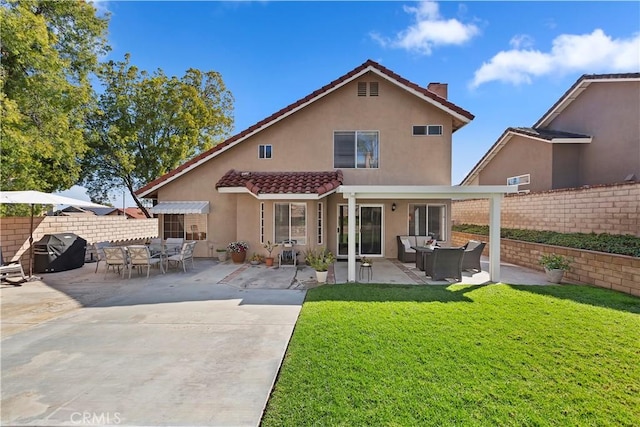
[48, 51]
[146, 125]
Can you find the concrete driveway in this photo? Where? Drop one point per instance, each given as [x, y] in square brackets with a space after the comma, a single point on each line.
[175, 349]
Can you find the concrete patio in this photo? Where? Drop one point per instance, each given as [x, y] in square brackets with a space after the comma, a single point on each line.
[197, 348]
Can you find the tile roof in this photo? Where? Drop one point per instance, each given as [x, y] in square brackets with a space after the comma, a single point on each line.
[282, 182]
[547, 134]
[206, 155]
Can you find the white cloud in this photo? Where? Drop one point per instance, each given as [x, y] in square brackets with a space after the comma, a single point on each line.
[521, 41]
[586, 53]
[430, 29]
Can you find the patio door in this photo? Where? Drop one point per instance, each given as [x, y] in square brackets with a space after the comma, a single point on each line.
[368, 230]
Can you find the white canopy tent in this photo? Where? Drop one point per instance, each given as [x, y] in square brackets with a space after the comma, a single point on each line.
[32, 198]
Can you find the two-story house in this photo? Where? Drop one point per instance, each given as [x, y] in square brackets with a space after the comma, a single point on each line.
[350, 166]
[590, 136]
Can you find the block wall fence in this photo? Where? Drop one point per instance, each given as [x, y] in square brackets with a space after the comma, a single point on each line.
[14, 231]
[617, 272]
[613, 209]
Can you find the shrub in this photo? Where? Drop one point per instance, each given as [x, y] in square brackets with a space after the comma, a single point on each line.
[621, 244]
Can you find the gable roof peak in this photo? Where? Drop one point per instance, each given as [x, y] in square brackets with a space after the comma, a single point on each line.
[460, 117]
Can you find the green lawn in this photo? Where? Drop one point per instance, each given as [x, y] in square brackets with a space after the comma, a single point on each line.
[461, 355]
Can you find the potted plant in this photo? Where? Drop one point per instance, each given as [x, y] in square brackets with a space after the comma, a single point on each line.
[554, 266]
[256, 259]
[222, 254]
[238, 251]
[269, 247]
[366, 262]
[320, 260]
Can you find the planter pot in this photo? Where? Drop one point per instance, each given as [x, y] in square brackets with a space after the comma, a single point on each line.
[222, 256]
[268, 262]
[555, 275]
[238, 257]
[254, 262]
[321, 276]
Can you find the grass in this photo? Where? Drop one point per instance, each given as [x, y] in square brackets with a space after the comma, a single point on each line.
[459, 355]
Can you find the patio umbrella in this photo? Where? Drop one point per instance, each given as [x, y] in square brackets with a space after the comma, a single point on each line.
[39, 198]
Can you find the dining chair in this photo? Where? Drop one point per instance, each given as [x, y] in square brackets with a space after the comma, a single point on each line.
[186, 254]
[140, 256]
[115, 256]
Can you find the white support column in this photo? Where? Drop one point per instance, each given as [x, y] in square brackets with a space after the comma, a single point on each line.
[494, 237]
[351, 245]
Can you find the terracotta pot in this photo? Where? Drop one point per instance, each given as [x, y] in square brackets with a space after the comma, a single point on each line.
[238, 257]
[268, 262]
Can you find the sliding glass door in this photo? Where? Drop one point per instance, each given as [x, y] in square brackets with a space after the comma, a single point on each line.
[368, 230]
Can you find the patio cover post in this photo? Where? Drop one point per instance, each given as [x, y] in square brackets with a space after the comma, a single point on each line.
[351, 242]
[494, 237]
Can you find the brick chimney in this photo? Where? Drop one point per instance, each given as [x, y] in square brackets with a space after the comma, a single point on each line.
[439, 89]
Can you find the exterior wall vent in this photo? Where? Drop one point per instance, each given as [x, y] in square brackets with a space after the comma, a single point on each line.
[362, 88]
[373, 89]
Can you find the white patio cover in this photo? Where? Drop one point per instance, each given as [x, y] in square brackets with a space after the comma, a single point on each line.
[191, 207]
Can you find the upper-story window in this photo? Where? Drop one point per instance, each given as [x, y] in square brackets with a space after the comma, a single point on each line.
[264, 151]
[355, 149]
[427, 130]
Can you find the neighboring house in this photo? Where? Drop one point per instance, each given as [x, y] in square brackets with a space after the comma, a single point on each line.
[590, 136]
[370, 145]
[132, 213]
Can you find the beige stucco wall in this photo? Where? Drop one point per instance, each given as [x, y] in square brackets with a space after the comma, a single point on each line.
[608, 112]
[520, 156]
[304, 142]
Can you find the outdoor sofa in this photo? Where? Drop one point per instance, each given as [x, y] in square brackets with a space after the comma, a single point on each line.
[405, 252]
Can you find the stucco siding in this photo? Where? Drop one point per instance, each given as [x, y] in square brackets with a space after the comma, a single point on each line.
[520, 156]
[609, 113]
[303, 141]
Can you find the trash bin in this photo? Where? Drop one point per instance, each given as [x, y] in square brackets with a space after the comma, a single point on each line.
[58, 252]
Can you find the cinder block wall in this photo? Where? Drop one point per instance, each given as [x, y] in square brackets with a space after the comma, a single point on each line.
[613, 209]
[14, 231]
[618, 272]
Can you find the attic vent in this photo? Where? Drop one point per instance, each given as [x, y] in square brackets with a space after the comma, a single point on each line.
[373, 89]
[362, 88]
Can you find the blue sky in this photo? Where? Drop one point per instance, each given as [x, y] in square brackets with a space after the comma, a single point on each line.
[505, 62]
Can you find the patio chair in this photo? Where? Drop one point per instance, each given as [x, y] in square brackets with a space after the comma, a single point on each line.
[405, 252]
[288, 256]
[445, 263]
[472, 253]
[174, 245]
[11, 269]
[98, 249]
[115, 256]
[140, 256]
[186, 254]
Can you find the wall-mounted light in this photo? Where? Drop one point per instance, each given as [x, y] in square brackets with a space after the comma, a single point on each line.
[393, 207]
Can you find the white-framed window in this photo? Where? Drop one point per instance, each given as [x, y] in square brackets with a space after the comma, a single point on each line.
[290, 222]
[427, 220]
[519, 180]
[427, 130]
[356, 149]
[262, 223]
[320, 224]
[265, 151]
[189, 227]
